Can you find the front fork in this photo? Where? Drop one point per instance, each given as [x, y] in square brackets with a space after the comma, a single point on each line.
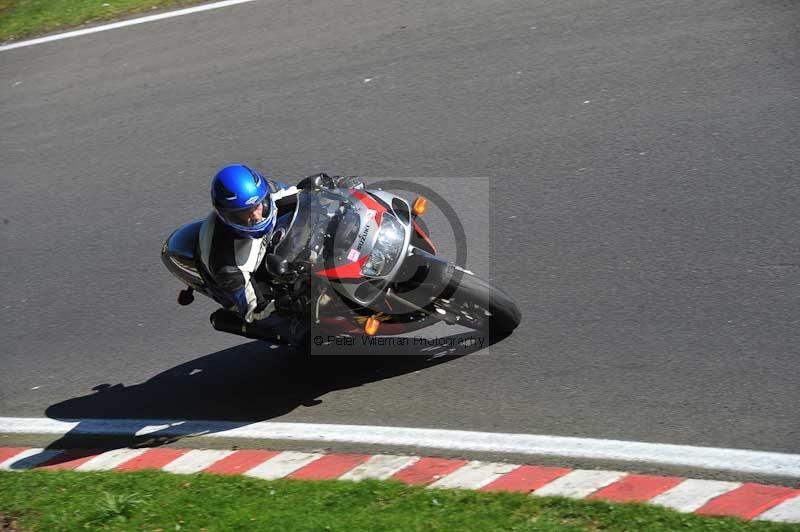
[423, 279]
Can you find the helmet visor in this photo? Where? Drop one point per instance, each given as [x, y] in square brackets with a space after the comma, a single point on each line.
[250, 217]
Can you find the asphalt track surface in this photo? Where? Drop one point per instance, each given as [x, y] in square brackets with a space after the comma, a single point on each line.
[627, 170]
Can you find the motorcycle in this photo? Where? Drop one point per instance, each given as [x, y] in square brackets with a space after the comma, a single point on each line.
[352, 262]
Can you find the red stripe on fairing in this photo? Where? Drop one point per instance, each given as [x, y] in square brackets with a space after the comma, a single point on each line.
[329, 466]
[338, 325]
[424, 237]
[370, 203]
[748, 501]
[350, 327]
[353, 270]
[347, 271]
[636, 488]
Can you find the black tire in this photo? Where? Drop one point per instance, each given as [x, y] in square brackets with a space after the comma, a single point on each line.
[479, 305]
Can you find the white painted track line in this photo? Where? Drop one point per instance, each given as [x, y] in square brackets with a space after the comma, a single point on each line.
[785, 512]
[28, 459]
[110, 459]
[282, 465]
[691, 494]
[379, 467]
[122, 24]
[579, 483]
[738, 460]
[195, 461]
[474, 475]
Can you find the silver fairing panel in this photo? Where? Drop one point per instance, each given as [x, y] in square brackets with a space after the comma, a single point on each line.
[178, 255]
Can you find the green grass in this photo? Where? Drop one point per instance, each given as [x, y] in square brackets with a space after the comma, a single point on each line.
[44, 500]
[25, 18]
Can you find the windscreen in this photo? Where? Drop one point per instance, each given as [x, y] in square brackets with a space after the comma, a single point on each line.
[325, 226]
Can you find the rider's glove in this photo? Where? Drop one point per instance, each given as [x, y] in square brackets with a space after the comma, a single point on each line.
[348, 181]
[324, 180]
[321, 180]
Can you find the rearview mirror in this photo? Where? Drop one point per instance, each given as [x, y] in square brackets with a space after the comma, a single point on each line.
[277, 265]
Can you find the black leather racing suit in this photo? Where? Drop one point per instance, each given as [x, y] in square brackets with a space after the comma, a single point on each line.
[235, 264]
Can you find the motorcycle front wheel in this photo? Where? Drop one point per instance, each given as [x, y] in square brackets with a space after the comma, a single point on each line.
[478, 305]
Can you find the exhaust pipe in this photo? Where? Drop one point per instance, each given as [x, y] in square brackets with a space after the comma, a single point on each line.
[230, 322]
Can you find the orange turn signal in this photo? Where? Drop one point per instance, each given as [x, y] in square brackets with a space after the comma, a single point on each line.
[371, 327]
[420, 204]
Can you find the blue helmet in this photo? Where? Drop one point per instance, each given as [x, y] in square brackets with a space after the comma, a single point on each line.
[242, 201]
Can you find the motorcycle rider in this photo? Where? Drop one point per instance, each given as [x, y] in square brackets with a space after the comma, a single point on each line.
[250, 216]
